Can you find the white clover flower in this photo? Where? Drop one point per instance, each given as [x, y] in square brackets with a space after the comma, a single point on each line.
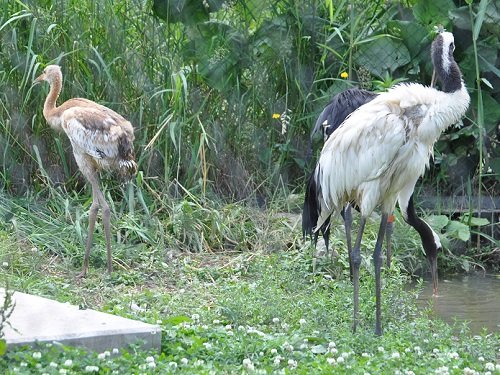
[68, 363]
[453, 355]
[409, 372]
[366, 355]
[334, 350]
[204, 326]
[115, 351]
[207, 345]
[469, 371]
[303, 346]
[395, 355]
[276, 320]
[344, 354]
[407, 350]
[381, 349]
[340, 360]
[101, 356]
[228, 327]
[151, 365]
[435, 350]
[426, 341]
[302, 322]
[91, 369]
[274, 351]
[285, 326]
[261, 354]
[331, 344]
[216, 321]
[366, 373]
[5, 264]
[63, 371]
[230, 333]
[487, 373]
[247, 362]
[288, 347]
[442, 370]
[150, 359]
[184, 361]
[172, 364]
[489, 366]
[277, 360]
[53, 364]
[480, 359]
[195, 317]
[37, 355]
[24, 364]
[497, 366]
[292, 363]
[199, 362]
[38, 365]
[331, 361]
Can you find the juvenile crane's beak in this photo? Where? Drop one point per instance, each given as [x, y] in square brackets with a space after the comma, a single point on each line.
[39, 79]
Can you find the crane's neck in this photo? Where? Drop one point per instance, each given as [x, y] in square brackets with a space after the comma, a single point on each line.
[450, 78]
[50, 101]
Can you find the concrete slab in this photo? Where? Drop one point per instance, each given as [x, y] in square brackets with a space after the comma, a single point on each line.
[44, 320]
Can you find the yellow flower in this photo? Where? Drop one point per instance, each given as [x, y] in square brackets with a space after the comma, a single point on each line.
[276, 115]
[344, 75]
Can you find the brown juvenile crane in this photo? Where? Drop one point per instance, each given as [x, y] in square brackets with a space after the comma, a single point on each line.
[101, 139]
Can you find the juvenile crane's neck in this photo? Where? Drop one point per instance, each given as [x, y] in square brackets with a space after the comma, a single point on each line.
[50, 102]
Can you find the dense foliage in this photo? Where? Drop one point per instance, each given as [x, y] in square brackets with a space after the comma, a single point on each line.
[201, 81]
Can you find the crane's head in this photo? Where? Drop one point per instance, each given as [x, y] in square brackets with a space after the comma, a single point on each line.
[445, 66]
[49, 74]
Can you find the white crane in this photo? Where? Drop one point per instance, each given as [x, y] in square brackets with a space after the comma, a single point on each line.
[376, 156]
[101, 139]
[332, 116]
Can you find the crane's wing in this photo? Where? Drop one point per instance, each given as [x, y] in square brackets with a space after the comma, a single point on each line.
[97, 131]
[359, 156]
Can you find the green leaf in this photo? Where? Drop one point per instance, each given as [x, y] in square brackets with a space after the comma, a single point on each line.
[433, 12]
[479, 18]
[394, 55]
[437, 221]
[3, 347]
[458, 230]
[176, 320]
[474, 221]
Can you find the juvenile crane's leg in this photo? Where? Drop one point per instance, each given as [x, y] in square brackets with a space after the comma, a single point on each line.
[356, 263]
[106, 215]
[377, 261]
[94, 208]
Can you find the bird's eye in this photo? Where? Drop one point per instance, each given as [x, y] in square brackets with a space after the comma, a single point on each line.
[452, 47]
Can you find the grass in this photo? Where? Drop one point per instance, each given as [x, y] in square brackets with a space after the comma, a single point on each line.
[256, 308]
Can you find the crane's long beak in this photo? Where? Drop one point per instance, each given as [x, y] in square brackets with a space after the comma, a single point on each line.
[39, 79]
[434, 274]
[434, 78]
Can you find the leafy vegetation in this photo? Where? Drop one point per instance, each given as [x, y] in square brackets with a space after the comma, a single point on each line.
[248, 312]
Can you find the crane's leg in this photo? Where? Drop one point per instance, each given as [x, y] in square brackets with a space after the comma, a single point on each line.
[356, 263]
[94, 208]
[347, 215]
[388, 236]
[377, 261]
[106, 215]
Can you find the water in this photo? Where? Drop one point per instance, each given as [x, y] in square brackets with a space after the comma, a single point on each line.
[474, 298]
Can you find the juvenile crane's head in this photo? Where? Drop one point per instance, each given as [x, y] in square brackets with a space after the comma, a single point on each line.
[49, 74]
